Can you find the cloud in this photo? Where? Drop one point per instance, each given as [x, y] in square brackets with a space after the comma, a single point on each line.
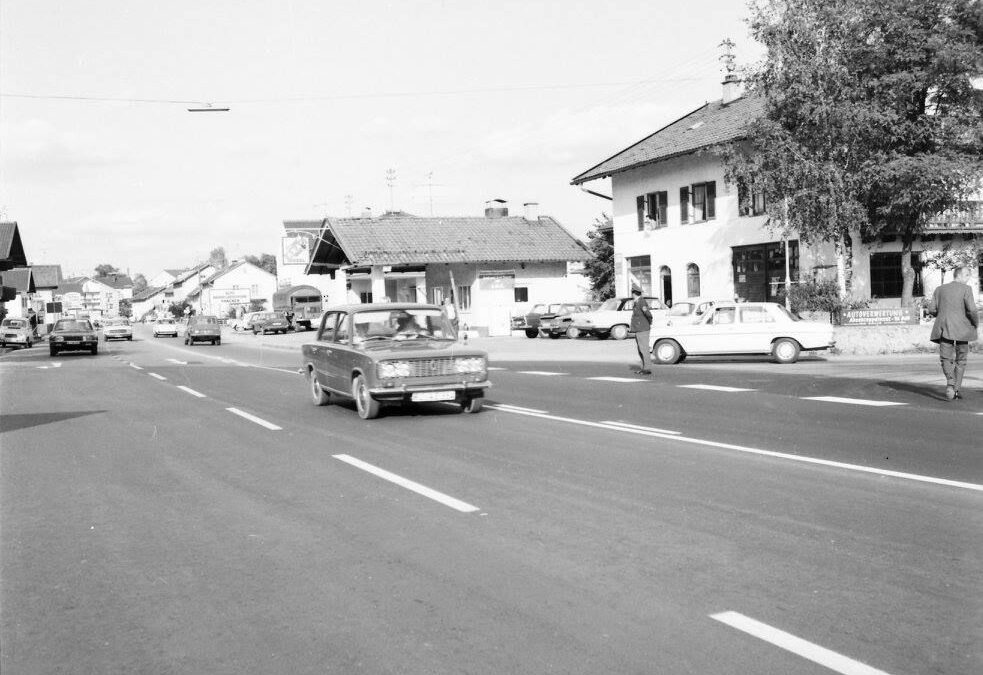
[37, 150]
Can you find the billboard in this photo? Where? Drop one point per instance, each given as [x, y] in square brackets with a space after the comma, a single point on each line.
[231, 296]
[297, 248]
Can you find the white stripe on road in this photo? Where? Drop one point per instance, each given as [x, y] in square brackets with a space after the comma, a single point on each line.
[618, 379]
[135, 366]
[446, 500]
[507, 407]
[494, 368]
[807, 650]
[180, 363]
[620, 426]
[191, 391]
[539, 372]
[714, 387]
[854, 401]
[653, 430]
[253, 418]
[159, 377]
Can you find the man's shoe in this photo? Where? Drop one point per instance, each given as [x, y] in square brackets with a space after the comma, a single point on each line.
[959, 394]
[950, 393]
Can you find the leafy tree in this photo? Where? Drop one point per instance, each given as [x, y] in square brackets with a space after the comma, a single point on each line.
[218, 259]
[265, 260]
[105, 270]
[872, 122]
[177, 309]
[600, 268]
[139, 283]
[950, 257]
[257, 305]
[126, 307]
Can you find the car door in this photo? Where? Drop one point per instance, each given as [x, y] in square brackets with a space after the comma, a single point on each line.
[753, 331]
[713, 335]
[344, 355]
[322, 349]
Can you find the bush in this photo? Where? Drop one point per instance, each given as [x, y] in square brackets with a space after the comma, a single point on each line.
[819, 296]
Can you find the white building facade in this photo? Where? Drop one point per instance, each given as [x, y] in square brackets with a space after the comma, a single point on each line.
[231, 291]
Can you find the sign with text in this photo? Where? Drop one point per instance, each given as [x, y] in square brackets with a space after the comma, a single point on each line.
[297, 248]
[231, 296]
[878, 316]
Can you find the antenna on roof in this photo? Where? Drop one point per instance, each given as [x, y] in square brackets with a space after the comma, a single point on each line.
[728, 58]
[391, 181]
[208, 107]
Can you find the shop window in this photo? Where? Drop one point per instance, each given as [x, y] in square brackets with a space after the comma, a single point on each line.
[693, 280]
[885, 275]
[521, 294]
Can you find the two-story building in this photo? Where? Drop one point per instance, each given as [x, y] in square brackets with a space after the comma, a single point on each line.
[233, 288]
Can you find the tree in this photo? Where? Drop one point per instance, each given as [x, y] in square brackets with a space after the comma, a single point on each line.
[218, 259]
[139, 283]
[600, 267]
[265, 260]
[871, 123]
[105, 270]
[126, 307]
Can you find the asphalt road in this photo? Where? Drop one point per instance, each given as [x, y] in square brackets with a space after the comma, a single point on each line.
[716, 517]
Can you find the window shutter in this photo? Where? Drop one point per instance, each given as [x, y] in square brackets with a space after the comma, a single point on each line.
[663, 208]
[711, 199]
[640, 208]
[743, 199]
[684, 204]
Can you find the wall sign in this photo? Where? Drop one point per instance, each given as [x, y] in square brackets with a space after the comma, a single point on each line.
[878, 317]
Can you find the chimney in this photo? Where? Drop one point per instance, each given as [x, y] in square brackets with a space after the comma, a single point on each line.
[366, 212]
[531, 211]
[732, 88]
[496, 208]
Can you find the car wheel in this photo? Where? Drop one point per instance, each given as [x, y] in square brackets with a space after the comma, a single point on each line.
[573, 333]
[472, 405]
[130, 338]
[532, 333]
[95, 350]
[29, 344]
[666, 352]
[53, 351]
[619, 332]
[318, 395]
[785, 350]
[367, 407]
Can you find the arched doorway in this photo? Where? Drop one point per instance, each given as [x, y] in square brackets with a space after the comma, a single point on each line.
[665, 274]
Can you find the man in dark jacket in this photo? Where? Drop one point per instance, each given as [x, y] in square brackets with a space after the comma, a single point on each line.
[956, 323]
[641, 324]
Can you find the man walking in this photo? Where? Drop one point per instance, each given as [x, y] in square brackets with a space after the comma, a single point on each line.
[641, 324]
[956, 322]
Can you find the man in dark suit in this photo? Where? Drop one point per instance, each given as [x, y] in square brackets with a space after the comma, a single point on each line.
[956, 322]
[641, 324]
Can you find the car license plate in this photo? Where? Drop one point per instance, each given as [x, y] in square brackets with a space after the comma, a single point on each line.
[73, 341]
[433, 396]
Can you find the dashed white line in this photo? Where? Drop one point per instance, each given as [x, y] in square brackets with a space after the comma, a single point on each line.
[440, 497]
[654, 430]
[853, 401]
[252, 418]
[539, 372]
[180, 363]
[135, 366]
[495, 368]
[159, 377]
[714, 387]
[191, 391]
[507, 407]
[617, 379]
[807, 650]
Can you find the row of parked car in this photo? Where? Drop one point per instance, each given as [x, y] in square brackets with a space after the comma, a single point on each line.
[610, 319]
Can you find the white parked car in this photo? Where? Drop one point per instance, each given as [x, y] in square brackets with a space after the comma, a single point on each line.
[117, 329]
[165, 326]
[613, 318]
[741, 328]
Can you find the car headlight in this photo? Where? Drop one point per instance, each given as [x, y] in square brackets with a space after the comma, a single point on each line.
[388, 370]
[470, 364]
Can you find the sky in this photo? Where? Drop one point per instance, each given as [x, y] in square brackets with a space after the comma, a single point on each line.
[466, 100]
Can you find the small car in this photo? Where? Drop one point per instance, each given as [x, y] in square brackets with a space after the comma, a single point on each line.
[391, 354]
[203, 328]
[556, 326]
[613, 318]
[165, 326]
[16, 333]
[539, 315]
[117, 329]
[268, 322]
[73, 335]
[741, 328]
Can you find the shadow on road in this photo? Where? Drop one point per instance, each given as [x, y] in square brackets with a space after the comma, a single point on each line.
[28, 420]
[931, 391]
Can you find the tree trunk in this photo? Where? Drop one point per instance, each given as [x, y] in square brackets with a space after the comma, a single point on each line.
[907, 271]
[841, 253]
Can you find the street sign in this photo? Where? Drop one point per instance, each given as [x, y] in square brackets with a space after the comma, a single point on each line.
[878, 316]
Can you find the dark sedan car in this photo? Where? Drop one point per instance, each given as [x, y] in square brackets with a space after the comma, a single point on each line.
[392, 354]
[269, 322]
[73, 335]
[203, 328]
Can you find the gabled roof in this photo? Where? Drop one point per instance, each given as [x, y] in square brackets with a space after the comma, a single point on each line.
[148, 293]
[709, 125]
[174, 273]
[400, 240]
[234, 266]
[20, 278]
[184, 275]
[116, 281]
[47, 276]
[72, 285]
[11, 249]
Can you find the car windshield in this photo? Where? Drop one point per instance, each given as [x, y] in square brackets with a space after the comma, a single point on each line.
[538, 309]
[402, 324]
[165, 320]
[116, 322]
[204, 320]
[681, 309]
[14, 323]
[73, 324]
[609, 305]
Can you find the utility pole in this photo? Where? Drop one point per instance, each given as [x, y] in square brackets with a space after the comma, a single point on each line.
[391, 181]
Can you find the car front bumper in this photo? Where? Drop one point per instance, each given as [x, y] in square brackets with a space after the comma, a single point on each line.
[77, 345]
[404, 392]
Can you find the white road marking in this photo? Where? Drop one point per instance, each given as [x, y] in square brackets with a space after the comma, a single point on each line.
[539, 372]
[807, 650]
[135, 366]
[854, 401]
[180, 363]
[159, 377]
[714, 387]
[253, 418]
[53, 365]
[618, 379]
[507, 407]
[446, 500]
[495, 368]
[191, 391]
[620, 426]
[653, 430]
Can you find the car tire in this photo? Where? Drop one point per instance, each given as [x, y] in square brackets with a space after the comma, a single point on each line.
[95, 350]
[130, 339]
[532, 333]
[318, 395]
[53, 351]
[619, 332]
[573, 333]
[785, 350]
[554, 336]
[29, 344]
[368, 408]
[666, 352]
[472, 405]
[217, 341]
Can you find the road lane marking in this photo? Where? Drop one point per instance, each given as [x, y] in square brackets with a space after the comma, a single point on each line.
[539, 372]
[494, 368]
[506, 406]
[446, 500]
[180, 363]
[617, 379]
[253, 418]
[135, 366]
[714, 387]
[807, 650]
[191, 391]
[653, 430]
[854, 401]
[159, 377]
[620, 426]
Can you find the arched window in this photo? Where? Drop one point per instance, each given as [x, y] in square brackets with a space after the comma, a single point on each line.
[693, 280]
[665, 274]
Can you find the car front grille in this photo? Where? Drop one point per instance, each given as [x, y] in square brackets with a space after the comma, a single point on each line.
[431, 367]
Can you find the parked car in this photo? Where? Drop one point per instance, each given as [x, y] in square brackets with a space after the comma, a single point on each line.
[267, 322]
[688, 311]
[556, 326]
[165, 326]
[542, 314]
[388, 354]
[613, 318]
[742, 328]
[73, 335]
[116, 329]
[16, 333]
[203, 328]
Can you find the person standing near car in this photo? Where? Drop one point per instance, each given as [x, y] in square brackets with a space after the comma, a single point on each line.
[641, 325]
[956, 324]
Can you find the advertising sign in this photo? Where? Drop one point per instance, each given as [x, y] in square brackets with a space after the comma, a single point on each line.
[297, 248]
[878, 317]
[231, 296]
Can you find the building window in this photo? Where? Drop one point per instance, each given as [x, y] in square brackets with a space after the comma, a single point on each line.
[693, 280]
[698, 202]
[652, 210]
[750, 199]
[885, 275]
[254, 289]
[640, 273]
[665, 275]
[521, 294]
[436, 295]
[464, 298]
[365, 297]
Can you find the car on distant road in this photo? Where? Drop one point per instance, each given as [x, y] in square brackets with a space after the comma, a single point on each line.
[117, 329]
[390, 354]
[268, 322]
[203, 328]
[613, 318]
[73, 335]
[16, 333]
[741, 328]
[165, 326]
